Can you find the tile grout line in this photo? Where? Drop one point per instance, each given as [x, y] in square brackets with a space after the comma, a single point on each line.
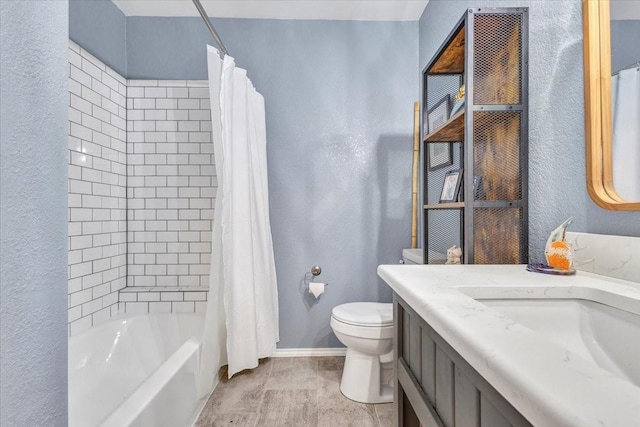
[264, 406]
[264, 391]
[375, 410]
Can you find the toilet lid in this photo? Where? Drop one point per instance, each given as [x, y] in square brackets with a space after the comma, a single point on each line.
[364, 313]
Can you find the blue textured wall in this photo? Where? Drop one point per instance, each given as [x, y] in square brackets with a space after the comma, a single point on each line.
[339, 100]
[99, 27]
[172, 48]
[339, 110]
[34, 40]
[557, 182]
[625, 49]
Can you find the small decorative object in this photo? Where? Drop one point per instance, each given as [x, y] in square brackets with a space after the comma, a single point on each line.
[459, 101]
[453, 255]
[557, 250]
[439, 114]
[451, 186]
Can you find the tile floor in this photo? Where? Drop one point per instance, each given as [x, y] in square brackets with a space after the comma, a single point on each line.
[303, 391]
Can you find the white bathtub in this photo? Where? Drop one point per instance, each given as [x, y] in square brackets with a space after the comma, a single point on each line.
[135, 371]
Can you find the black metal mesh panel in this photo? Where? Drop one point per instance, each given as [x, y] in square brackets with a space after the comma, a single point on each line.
[444, 232]
[439, 87]
[497, 169]
[498, 233]
[443, 226]
[497, 61]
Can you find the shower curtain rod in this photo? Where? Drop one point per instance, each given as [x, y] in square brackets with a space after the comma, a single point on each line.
[212, 30]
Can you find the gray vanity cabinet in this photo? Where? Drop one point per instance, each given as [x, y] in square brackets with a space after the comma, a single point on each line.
[435, 386]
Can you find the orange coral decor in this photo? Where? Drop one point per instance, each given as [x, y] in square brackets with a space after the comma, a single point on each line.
[559, 256]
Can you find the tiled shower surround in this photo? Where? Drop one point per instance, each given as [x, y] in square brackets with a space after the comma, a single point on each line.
[141, 193]
[97, 190]
[171, 190]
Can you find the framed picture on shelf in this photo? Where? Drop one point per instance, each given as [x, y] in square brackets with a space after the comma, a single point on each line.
[451, 186]
[439, 114]
[440, 155]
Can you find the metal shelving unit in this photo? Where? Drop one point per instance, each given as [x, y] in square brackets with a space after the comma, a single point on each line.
[487, 51]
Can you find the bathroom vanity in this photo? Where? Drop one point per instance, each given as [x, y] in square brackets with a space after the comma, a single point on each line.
[495, 345]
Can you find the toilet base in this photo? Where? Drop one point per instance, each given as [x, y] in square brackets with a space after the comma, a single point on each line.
[361, 379]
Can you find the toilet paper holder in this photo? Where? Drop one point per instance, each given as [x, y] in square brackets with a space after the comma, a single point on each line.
[316, 270]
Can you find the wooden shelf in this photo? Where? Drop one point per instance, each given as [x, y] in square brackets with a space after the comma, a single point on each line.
[451, 131]
[453, 205]
[451, 61]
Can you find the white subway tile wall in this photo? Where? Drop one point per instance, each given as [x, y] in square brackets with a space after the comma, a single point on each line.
[142, 187]
[169, 299]
[97, 190]
[171, 190]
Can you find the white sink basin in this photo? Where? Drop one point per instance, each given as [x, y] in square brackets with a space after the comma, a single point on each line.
[605, 335]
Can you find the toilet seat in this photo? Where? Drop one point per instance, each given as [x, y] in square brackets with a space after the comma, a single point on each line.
[364, 314]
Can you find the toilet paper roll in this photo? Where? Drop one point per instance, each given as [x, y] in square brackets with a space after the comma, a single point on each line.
[316, 288]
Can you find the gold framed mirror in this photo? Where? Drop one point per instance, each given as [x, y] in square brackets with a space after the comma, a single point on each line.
[598, 118]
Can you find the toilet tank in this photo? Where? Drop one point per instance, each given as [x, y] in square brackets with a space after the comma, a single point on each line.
[412, 256]
[415, 256]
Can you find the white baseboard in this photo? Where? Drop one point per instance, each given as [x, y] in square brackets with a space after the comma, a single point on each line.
[310, 352]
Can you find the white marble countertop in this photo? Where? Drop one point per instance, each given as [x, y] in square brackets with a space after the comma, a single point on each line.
[546, 383]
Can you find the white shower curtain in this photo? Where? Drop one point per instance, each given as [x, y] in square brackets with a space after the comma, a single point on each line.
[626, 133]
[241, 323]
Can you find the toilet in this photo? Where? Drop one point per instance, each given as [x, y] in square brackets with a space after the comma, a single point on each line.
[366, 329]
